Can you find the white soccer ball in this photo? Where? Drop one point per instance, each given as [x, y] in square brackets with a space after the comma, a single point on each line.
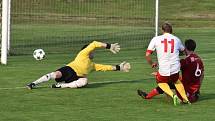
[39, 54]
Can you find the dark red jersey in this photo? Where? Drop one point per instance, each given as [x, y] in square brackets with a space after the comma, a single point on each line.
[192, 73]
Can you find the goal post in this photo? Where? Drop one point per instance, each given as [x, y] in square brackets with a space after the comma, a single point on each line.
[62, 26]
[156, 17]
[5, 35]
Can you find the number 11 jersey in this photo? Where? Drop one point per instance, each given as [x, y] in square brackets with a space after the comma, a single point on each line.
[167, 47]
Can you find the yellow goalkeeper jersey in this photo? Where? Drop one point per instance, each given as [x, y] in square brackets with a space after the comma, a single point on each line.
[82, 64]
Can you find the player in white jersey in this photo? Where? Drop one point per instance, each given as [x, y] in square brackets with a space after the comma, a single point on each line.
[167, 47]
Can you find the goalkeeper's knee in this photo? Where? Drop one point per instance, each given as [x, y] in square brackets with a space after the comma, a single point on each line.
[51, 75]
[75, 84]
[81, 82]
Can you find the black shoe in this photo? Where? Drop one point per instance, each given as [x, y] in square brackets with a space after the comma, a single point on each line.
[31, 86]
[142, 93]
[55, 86]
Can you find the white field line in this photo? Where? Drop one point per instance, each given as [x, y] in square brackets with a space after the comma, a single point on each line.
[10, 88]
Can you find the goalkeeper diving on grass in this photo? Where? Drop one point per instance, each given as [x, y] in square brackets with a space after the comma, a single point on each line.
[74, 74]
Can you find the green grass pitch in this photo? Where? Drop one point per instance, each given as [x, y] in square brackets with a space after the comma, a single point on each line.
[110, 96]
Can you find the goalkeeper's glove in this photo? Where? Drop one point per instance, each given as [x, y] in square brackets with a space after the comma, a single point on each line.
[114, 48]
[124, 66]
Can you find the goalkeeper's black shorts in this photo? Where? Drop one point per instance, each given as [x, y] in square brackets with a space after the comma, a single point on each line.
[68, 75]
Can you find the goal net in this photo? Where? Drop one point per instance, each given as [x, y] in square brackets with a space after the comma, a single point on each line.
[61, 26]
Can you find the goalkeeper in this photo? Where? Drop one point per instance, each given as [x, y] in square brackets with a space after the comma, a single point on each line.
[74, 74]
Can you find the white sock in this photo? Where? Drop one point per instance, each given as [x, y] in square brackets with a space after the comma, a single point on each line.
[75, 84]
[45, 78]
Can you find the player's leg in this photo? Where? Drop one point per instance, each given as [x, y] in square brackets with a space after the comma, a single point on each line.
[75, 84]
[142, 93]
[163, 84]
[180, 88]
[193, 97]
[48, 77]
[45, 78]
[154, 92]
[165, 87]
[59, 75]
[151, 94]
[172, 86]
[69, 79]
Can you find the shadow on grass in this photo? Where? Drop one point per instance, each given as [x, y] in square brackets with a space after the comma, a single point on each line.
[206, 96]
[106, 83]
[102, 84]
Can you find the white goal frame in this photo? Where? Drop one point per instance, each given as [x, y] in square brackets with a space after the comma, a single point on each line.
[156, 17]
[5, 35]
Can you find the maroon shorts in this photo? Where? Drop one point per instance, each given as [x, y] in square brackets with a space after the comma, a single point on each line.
[166, 79]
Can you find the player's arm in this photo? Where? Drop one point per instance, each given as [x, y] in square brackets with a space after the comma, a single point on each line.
[184, 63]
[149, 51]
[149, 59]
[95, 44]
[181, 48]
[124, 66]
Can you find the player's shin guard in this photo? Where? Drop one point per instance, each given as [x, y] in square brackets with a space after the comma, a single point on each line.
[45, 78]
[180, 88]
[75, 84]
[165, 87]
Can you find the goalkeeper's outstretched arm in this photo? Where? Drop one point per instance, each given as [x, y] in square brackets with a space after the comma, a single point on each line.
[124, 66]
[114, 48]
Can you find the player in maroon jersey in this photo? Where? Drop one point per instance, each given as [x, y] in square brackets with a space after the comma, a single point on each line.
[192, 69]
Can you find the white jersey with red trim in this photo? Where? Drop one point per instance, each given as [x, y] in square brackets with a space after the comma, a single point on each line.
[167, 47]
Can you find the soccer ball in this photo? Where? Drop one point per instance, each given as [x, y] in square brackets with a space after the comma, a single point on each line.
[39, 54]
